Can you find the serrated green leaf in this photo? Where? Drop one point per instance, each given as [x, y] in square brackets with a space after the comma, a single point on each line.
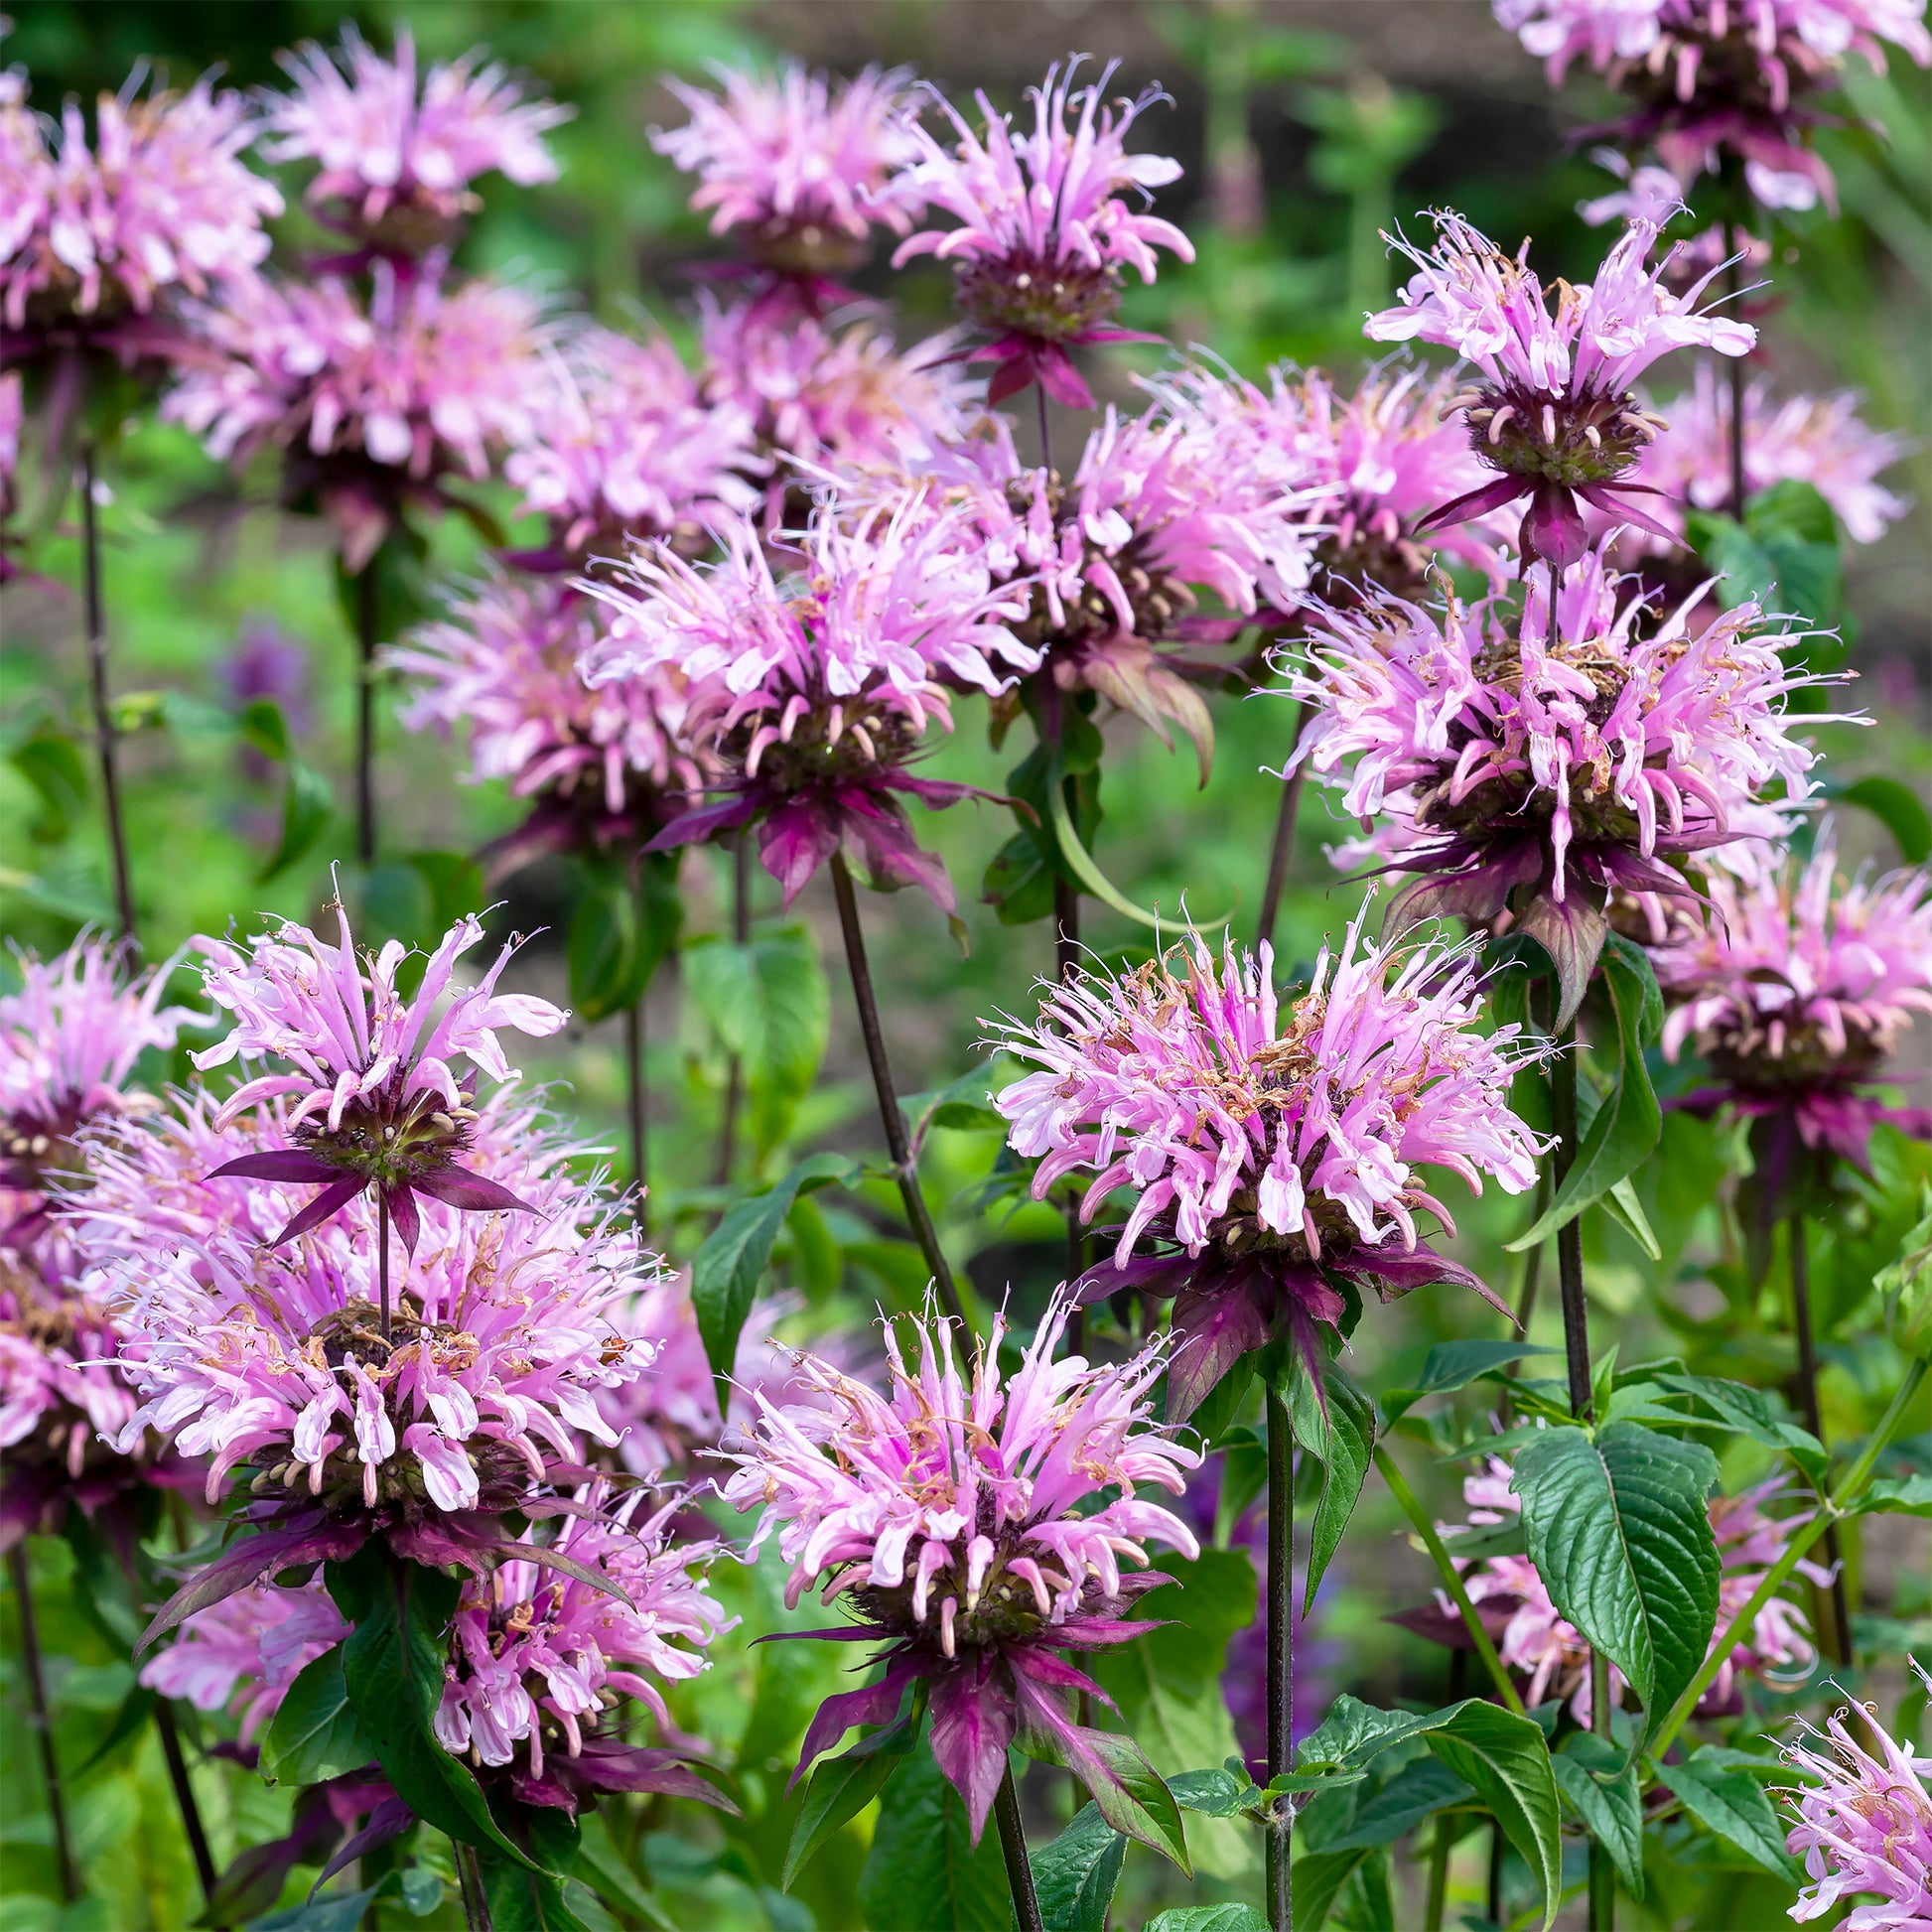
[1354, 1732]
[1756, 1412]
[1451, 1365]
[1350, 1445]
[1600, 1786]
[1729, 1800]
[924, 1873]
[842, 1787]
[1214, 1794]
[1897, 1495]
[1211, 1918]
[315, 1735]
[1319, 1877]
[1075, 1877]
[1415, 1792]
[1505, 1759]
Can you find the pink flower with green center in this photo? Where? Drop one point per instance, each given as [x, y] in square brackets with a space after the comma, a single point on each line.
[975, 1525]
[1271, 1148]
[812, 688]
[1865, 1825]
[1552, 409]
[1044, 226]
[540, 1657]
[394, 152]
[243, 1653]
[373, 1074]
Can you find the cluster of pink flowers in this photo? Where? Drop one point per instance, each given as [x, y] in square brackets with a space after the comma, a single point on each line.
[813, 689]
[1864, 1826]
[1797, 986]
[957, 1519]
[1267, 1151]
[161, 204]
[393, 161]
[1043, 229]
[1537, 1642]
[1552, 408]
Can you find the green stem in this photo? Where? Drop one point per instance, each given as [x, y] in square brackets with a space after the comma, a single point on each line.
[476, 1902]
[1826, 1516]
[1451, 1579]
[1438, 1861]
[41, 1723]
[1281, 1658]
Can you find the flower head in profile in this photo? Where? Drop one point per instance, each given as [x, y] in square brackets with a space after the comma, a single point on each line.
[1797, 987]
[540, 1654]
[395, 152]
[1534, 1641]
[793, 168]
[975, 1523]
[1045, 230]
[376, 404]
[97, 236]
[1534, 768]
[1552, 408]
[1271, 1147]
[243, 1653]
[625, 446]
[1865, 1823]
[813, 689]
[381, 1083]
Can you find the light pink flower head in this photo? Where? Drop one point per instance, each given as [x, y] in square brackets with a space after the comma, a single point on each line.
[394, 164]
[1268, 1150]
[626, 445]
[1537, 1643]
[381, 1083]
[960, 1518]
[374, 405]
[1865, 1825]
[1553, 409]
[1798, 986]
[813, 689]
[1044, 226]
[243, 1653]
[60, 1401]
[792, 167]
[537, 1655]
[161, 204]
[1537, 769]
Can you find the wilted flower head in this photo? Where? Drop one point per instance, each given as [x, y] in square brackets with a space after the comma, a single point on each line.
[161, 204]
[813, 689]
[1533, 1639]
[1865, 1825]
[1797, 987]
[794, 169]
[394, 165]
[1044, 229]
[1269, 1151]
[243, 1653]
[955, 1516]
[625, 445]
[504, 666]
[376, 406]
[1816, 440]
[373, 1074]
[1535, 768]
[1553, 409]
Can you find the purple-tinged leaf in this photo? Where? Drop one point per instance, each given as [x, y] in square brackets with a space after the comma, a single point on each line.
[469, 1193]
[290, 1165]
[1571, 933]
[311, 1539]
[704, 822]
[1397, 1271]
[1553, 526]
[336, 1195]
[608, 1765]
[401, 1205]
[795, 841]
[877, 1704]
[973, 1721]
[1214, 1327]
[1473, 503]
[390, 1819]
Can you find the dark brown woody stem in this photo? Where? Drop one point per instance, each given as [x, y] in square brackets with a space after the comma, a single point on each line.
[1815, 1421]
[1283, 850]
[735, 1069]
[367, 640]
[107, 739]
[42, 1723]
[1012, 1845]
[636, 1096]
[468, 1874]
[190, 1811]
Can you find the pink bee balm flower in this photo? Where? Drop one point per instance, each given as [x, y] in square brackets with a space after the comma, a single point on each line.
[957, 1518]
[538, 1655]
[1552, 410]
[1269, 1152]
[1044, 229]
[1864, 1826]
[1797, 988]
[504, 666]
[373, 1074]
[793, 169]
[244, 1652]
[626, 445]
[1536, 769]
[374, 407]
[813, 690]
[1533, 1639]
[95, 237]
[394, 164]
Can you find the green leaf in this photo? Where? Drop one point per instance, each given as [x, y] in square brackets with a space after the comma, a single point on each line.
[1907, 1284]
[1131, 1795]
[455, 887]
[961, 1103]
[315, 1735]
[1619, 1533]
[601, 948]
[725, 1272]
[1349, 1447]
[1756, 1412]
[1455, 1365]
[308, 806]
[339, 1914]
[1318, 1881]
[1214, 1794]
[51, 762]
[1413, 1794]
[924, 1873]
[769, 1004]
[1629, 1123]
[1897, 1495]
[1222, 1404]
[842, 1787]
[130, 1720]
[1076, 1875]
[1898, 808]
[1600, 1786]
[264, 729]
[1210, 1918]
[603, 1866]
[1730, 1801]
[1506, 1759]
[523, 1900]
[1354, 1732]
